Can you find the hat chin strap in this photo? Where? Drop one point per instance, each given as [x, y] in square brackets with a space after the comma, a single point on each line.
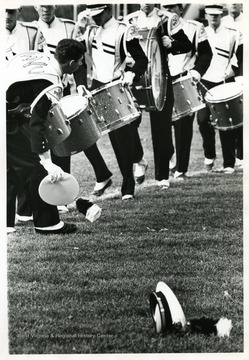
[157, 312]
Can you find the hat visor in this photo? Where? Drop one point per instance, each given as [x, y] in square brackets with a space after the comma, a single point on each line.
[213, 11]
[175, 308]
[61, 192]
[96, 12]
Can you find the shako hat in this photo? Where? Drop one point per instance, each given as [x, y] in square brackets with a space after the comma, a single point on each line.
[96, 9]
[214, 9]
[166, 310]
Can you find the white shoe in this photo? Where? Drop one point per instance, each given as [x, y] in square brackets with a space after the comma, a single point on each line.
[100, 187]
[128, 197]
[172, 162]
[62, 209]
[179, 176]
[24, 218]
[208, 163]
[164, 184]
[10, 229]
[139, 171]
[228, 170]
[239, 163]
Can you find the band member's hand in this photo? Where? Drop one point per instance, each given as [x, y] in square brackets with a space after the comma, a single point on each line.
[83, 91]
[128, 78]
[166, 42]
[84, 19]
[196, 77]
[54, 171]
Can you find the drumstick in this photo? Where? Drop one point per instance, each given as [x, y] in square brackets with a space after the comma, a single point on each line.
[204, 87]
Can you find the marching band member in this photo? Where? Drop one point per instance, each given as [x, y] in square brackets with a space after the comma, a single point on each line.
[175, 42]
[28, 153]
[196, 62]
[21, 37]
[107, 48]
[55, 29]
[225, 43]
[235, 18]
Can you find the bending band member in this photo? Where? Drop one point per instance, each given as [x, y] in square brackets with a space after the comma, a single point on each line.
[28, 153]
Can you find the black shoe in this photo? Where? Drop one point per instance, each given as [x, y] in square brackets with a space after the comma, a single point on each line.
[66, 229]
[139, 180]
[101, 191]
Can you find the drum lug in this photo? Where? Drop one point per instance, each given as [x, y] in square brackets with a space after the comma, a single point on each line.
[109, 94]
[129, 106]
[189, 102]
[120, 101]
[121, 90]
[51, 113]
[89, 111]
[231, 120]
[240, 101]
[182, 86]
[116, 111]
[59, 130]
[67, 122]
[80, 121]
[227, 106]
[213, 107]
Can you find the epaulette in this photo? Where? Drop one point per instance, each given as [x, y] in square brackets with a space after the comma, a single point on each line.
[68, 21]
[230, 28]
[194, 22]
[28, 24]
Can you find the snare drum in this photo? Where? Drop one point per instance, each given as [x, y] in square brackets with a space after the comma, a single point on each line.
[187, 98]
[57, 126]
[85, 131]
[225, 102]
[150, 92]
[114, 105]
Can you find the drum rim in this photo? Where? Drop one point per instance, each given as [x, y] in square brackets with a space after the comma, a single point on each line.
[181, 78]
[230, 84]
[220, 101]
[79, 111]
[107, 86]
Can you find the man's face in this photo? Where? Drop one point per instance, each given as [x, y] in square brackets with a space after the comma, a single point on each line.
[234, 9]
[214, 20]
[173, 8]
[11, 18]
[147, 8]
[102, 18]
[46, 12]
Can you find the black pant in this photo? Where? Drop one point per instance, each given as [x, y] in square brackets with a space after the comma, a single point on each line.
[227, 138]
[183, 137]
[24, 169]
[161, 131]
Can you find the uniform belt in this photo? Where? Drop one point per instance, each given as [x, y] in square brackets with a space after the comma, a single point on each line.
[175, 77]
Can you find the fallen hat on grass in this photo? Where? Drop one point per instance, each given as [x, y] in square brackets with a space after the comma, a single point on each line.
[168, 316]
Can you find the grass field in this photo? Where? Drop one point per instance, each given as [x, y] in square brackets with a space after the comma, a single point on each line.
[88, 293]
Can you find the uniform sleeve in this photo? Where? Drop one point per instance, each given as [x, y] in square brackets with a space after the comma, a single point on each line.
[138, 55]
[239, 54]
[37, 128]
[204, 57]
[180, 44]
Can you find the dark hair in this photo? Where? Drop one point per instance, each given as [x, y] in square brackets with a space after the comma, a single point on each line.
[69, 49]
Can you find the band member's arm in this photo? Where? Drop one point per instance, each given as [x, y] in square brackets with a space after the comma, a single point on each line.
[180, 43]
[138, 55]
[239, 54]
[204, 57]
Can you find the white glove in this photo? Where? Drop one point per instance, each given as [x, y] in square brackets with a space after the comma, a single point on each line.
[55, 172]
[196, 77]
[166, 42]
[128, 78]
[84, 18]
[83, 91]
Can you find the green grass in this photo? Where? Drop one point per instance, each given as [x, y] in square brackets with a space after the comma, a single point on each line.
[89, 292]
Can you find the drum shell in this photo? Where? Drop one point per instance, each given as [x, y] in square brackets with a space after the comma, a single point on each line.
[114, 106]
[150, 92]
[57, 126]
[227, 114]
[187, 98]
[84, 133]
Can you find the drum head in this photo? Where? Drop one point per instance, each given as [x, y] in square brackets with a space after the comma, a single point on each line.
[72, 105]
[223, 92]
[61, 192]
